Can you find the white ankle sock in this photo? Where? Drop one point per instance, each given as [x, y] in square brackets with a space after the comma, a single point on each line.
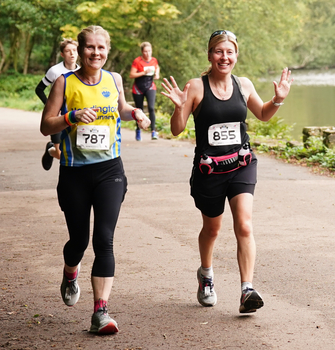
[246, 285]
[53, 149]
[207, 271]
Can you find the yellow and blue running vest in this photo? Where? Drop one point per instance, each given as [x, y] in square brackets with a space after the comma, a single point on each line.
[103, 95]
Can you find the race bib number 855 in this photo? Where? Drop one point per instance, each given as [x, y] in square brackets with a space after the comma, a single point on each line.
[94, 137]
[224, 134]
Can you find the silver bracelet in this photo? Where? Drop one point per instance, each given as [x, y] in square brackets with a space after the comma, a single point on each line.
[275, 103]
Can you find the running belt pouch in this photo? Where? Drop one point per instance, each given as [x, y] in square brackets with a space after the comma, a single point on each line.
[219, 165]
[245, 159]
[206, 168]
[225, 164]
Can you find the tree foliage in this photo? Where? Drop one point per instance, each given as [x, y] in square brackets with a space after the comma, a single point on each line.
[271, 35]
[29, 24]
[264, 29]
[124, 21]
[315, 42]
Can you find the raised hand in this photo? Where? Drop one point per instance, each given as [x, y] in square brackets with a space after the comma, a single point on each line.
[283, 88]
[177, 96]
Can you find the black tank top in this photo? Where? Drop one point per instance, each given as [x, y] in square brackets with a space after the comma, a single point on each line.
[211, 111]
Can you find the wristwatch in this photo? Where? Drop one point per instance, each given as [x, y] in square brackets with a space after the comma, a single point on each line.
[275, 103]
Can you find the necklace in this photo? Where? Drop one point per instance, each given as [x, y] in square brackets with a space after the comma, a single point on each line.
[223, 94]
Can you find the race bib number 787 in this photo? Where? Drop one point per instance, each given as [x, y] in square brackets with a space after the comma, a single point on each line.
[224, 134]
[94, 137]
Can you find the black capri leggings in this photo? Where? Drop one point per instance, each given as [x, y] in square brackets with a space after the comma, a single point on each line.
[151, 98]
[103, 187]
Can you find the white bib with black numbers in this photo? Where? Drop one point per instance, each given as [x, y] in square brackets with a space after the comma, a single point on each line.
[224, 134]
[94, 137]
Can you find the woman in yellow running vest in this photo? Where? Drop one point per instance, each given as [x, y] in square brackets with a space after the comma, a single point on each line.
[92, 103]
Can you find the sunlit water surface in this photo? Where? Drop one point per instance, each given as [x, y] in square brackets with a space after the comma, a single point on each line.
[311, 101]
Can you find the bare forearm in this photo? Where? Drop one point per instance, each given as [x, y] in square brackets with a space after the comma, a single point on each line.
[178, 121]
[126, 112]
[52, 125]
[269, 110]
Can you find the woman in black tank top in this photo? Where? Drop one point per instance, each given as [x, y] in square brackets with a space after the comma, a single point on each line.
[224, 166]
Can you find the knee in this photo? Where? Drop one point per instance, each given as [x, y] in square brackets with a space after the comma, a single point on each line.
[102, 245]
[209, 232]
[77, 247]
[244, 229]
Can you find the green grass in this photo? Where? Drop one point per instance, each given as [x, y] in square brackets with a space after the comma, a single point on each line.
[275, 128]
[313, 153]
[18, 91]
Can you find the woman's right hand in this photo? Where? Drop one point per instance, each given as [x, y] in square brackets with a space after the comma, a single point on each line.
[177, 96]
[87, 115]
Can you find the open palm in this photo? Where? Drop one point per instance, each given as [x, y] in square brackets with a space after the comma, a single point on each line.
[173, 92]
[283, 87]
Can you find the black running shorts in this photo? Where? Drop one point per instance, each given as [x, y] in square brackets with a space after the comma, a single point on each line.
[210, 191]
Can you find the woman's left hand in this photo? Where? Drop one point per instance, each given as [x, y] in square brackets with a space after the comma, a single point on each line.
[283, 88]
[142, 120]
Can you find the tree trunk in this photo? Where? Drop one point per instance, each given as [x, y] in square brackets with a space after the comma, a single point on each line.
[28, 49]
[11, 60]
[55, 49]
[2, 55]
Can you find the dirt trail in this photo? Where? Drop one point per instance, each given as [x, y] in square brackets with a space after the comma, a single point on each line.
[154, 295]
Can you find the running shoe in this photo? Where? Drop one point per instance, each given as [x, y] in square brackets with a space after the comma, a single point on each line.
[206, 293]
[102, 323]
[47, 159]
[154, 135]
[138, 135]
[70, 290]
[251, 300]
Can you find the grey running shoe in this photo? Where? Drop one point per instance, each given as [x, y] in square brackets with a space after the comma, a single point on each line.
[206, 293]
[102, 323]
[251, 300]
[70, 290]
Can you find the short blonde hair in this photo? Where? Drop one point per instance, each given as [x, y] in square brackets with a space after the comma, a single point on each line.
[66, 42]
[145, 44]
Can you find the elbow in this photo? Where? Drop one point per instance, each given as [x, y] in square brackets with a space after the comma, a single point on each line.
[175, 132]
[265, 118]
[176, 129]
[44, 133]
[39, 90]
[44, 130]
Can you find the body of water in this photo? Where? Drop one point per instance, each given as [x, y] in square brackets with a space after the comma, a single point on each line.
[311, 101]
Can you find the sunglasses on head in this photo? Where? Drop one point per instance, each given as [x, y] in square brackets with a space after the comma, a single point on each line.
[227, 32]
